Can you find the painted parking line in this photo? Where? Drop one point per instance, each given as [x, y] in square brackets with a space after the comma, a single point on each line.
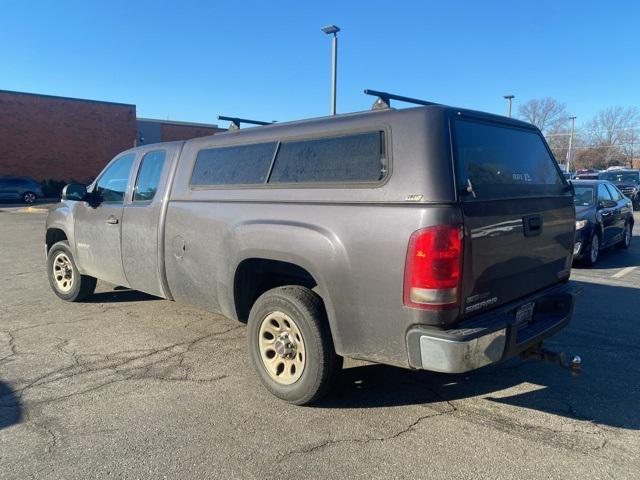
[623, 272]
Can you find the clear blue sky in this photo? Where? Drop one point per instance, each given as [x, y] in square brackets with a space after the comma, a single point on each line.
[269, 60]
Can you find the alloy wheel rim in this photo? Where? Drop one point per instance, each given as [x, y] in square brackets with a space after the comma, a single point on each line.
[63, 273]
[282, 348]
[595, 248]
[29, 198]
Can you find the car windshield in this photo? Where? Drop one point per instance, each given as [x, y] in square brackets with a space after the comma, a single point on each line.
[622, 177]
[583, 197]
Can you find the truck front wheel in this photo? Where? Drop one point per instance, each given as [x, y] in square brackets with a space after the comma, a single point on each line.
[64, 277]
[290, 344]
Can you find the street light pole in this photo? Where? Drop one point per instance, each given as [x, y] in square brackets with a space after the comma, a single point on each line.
[570, 150]
[509, 98]
[333, 30]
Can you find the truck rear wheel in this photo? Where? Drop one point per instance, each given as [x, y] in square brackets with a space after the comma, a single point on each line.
[290, 344]
[64, 277]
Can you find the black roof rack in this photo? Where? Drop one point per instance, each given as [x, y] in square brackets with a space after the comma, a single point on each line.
[235, 122]
[384, 99]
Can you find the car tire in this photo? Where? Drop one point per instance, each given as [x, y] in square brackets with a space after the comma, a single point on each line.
[29, 198]
[64, 277]
[625, 243]
[290, 344]
[593, 252]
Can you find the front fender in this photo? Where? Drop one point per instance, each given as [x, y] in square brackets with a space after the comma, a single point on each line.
[61, 217]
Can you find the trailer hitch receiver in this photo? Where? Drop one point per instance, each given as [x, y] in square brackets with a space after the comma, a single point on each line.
[538, 352]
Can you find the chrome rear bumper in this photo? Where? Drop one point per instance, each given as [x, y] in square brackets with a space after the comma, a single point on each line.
[491, 337]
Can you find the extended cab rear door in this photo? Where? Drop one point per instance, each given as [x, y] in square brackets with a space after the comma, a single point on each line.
[142, 235]
[517, 209]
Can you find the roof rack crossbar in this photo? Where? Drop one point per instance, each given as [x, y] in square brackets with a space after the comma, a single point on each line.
[236, 121]
[384, 99]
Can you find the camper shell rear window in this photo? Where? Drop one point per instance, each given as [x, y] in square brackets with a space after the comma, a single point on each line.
[500, 161]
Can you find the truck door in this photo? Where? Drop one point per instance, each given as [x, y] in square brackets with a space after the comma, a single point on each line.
[98, 223]
[141, 239]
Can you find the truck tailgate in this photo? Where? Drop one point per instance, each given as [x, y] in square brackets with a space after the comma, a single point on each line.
[514, 248]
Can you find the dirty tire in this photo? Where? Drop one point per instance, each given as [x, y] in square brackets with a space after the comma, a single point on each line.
[321, 363]
[79, 287]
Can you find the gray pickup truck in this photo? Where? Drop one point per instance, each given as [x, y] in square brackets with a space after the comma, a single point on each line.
[429, 237]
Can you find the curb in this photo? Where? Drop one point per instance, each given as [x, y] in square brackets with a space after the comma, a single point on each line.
[39, 209]
[34, 210]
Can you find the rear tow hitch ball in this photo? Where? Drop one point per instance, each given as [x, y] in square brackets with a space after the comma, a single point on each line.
[576, 364]
[538, 352]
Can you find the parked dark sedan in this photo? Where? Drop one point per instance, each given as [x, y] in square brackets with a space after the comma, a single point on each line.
[23, 189]
[604, 218]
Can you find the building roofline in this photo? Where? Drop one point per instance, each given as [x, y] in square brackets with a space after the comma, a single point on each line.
[57, 97]
[178, 122]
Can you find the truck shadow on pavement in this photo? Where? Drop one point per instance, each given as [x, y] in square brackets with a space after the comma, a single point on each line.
[606, 392]
[119, 294]
[10, 407]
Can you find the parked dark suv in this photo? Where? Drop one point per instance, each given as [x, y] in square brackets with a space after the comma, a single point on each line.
[604, 218]
[24, 189]
[628, 181]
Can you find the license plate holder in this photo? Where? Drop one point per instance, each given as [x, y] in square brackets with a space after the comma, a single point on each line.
[524, 313]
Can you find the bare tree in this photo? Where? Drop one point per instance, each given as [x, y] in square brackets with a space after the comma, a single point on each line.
[591, 157]
[548, 114]
[559, 143]
[615, 130]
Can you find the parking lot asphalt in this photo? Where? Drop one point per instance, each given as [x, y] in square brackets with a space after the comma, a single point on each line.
[129, 386]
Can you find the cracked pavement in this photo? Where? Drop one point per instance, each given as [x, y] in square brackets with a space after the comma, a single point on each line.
[130, 386]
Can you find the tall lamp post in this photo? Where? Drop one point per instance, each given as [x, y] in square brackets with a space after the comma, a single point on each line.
[333, 30]
[570, 150]
[509, 98]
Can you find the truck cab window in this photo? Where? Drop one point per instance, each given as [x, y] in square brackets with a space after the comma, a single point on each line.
[149, 176]
[112, 184]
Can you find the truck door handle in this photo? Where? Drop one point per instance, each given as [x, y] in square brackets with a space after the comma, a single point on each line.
[532, 225]
[111, 220]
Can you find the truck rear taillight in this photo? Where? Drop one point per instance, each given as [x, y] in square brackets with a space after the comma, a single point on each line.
[432, 268]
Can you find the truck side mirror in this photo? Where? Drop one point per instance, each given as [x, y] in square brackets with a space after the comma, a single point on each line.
[74, 191]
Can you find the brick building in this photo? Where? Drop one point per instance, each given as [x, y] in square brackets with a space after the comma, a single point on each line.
[59, 138]
[150, 130]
